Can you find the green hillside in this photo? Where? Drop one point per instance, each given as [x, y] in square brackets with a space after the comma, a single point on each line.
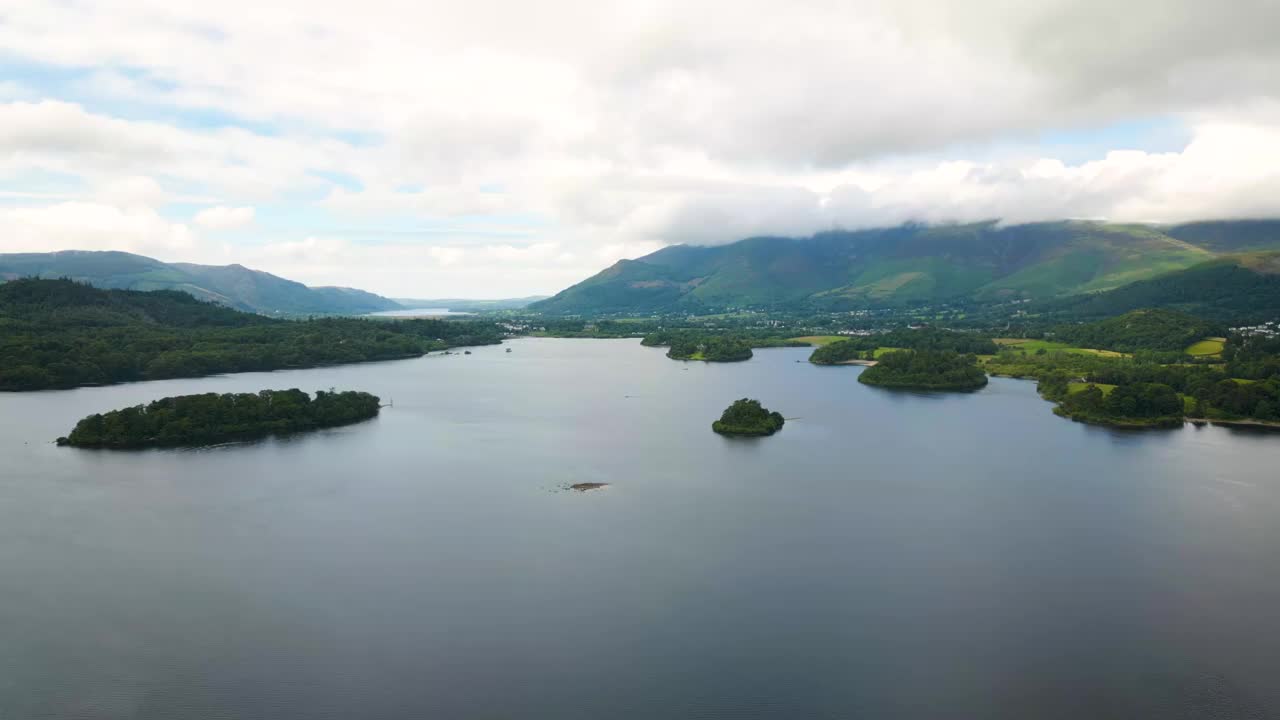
[1229, 236]
[232, 285]
[1238, 288]
[909, 264]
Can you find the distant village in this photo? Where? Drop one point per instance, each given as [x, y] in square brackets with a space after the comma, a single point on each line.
[1266, 330]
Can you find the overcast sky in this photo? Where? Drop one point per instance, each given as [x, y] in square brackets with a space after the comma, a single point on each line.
[498, 149]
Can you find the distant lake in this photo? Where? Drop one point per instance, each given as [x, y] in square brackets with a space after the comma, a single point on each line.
[886, 555]
[417, 312]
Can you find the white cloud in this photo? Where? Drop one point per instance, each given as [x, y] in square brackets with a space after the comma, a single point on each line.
[94, 226]
[61, 137]
[132, 191]
[569, 134]
[1228, 170]
[221, 217]
[404, 269]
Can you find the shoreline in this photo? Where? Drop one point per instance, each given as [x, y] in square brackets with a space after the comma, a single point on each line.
[1243, 422]
[1162, 423]
[865, 363]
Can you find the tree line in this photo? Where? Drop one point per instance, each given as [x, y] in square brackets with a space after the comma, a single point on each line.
[61, 334]
[1165, 330]
[931, 339]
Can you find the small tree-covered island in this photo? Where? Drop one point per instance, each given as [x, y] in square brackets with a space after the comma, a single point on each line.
[748, 417]
[925, 370]
[694, 346]
[210, 418]
[712, 349]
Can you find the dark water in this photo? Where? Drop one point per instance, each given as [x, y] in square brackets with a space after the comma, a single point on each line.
[885, 556]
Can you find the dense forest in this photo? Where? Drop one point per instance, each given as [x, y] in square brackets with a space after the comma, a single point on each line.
[864, 348]
[190, 420]
[61, 334]
[1130, 404]
[925, 370]
[748, 417]
[1166, 330]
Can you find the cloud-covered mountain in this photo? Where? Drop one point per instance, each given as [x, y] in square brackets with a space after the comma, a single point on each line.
[910, 263]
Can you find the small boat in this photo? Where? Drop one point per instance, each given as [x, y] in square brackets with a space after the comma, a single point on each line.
[508, 349]
[466, 352]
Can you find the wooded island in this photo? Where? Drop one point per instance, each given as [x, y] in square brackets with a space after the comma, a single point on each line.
[210, 418]
[748, 417]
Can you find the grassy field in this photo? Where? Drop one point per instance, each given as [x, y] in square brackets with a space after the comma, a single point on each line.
[1076, 387]
[1031, 346]
[1208, 347]
[819, 340]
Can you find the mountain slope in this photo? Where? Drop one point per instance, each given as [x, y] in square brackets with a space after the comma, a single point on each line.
[232, 285]
[1229, 236]
[893, 266]
[1239, 288]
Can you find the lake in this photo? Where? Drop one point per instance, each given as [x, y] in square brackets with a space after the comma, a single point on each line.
[886, 555]
[417, 312]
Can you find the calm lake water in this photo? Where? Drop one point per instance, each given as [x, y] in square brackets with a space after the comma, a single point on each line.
[417, 312]
[887, 555]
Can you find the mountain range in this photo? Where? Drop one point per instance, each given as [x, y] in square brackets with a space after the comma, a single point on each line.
[235, 286]
[917, 264]
[1218, 269]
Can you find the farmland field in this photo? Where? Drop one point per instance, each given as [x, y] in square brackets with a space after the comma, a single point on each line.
[1031, 346]
[1207, 347]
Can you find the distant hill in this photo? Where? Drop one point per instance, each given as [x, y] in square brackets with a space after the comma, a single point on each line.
[1241, 288]
[232, 285]
[908, 264]
[60, 334]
